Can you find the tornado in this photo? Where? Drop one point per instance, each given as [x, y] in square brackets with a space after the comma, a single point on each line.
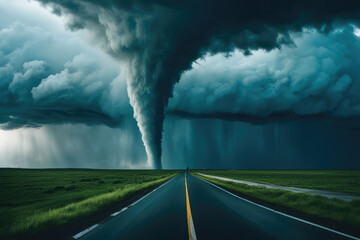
[155, 41]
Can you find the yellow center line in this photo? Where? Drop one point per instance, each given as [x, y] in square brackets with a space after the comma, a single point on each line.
[191, 228]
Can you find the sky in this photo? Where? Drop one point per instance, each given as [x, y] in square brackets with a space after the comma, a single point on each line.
[142, 84]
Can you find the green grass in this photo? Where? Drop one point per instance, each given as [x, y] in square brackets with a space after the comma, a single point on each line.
[34, 200]
[334, 209]
[347, 181]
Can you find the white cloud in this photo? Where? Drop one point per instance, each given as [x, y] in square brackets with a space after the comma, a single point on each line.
[357, 31]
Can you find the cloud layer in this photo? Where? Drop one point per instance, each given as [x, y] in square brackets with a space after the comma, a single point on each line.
[318, 76]
[52, 76]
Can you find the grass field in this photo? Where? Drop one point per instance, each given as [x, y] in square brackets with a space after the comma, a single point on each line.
[347, 181]
[333, 209]
[32, 200]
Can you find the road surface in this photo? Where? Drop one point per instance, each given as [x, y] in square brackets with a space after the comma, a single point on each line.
[214, 214]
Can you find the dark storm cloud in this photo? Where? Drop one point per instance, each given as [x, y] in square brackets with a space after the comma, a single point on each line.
[38, 88]
[349, 123]
[319, 76]
[158, 40]
[33, 117]
[33, 97]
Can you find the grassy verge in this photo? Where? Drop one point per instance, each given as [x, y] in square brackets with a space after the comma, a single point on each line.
[35, 200]
[333, 209]
[346, 181]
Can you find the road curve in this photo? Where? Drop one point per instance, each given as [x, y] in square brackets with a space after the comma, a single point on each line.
[216, 214]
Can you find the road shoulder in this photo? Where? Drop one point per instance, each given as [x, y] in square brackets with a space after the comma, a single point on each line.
[342, 196]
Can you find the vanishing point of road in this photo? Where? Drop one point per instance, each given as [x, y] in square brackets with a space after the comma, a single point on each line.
[187, 207]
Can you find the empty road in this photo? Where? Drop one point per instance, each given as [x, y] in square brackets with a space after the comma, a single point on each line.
[199, 210]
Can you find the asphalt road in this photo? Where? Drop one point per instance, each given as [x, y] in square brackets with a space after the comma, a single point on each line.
[216, 214]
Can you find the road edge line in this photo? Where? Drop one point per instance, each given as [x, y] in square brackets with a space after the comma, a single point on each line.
[89, 229]
[281, 213]
[118, 212]
[132, 204]
[82, 233]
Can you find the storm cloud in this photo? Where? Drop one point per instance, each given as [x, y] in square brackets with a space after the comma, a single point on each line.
[318, 76]
[77, 84]
[158, 40]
